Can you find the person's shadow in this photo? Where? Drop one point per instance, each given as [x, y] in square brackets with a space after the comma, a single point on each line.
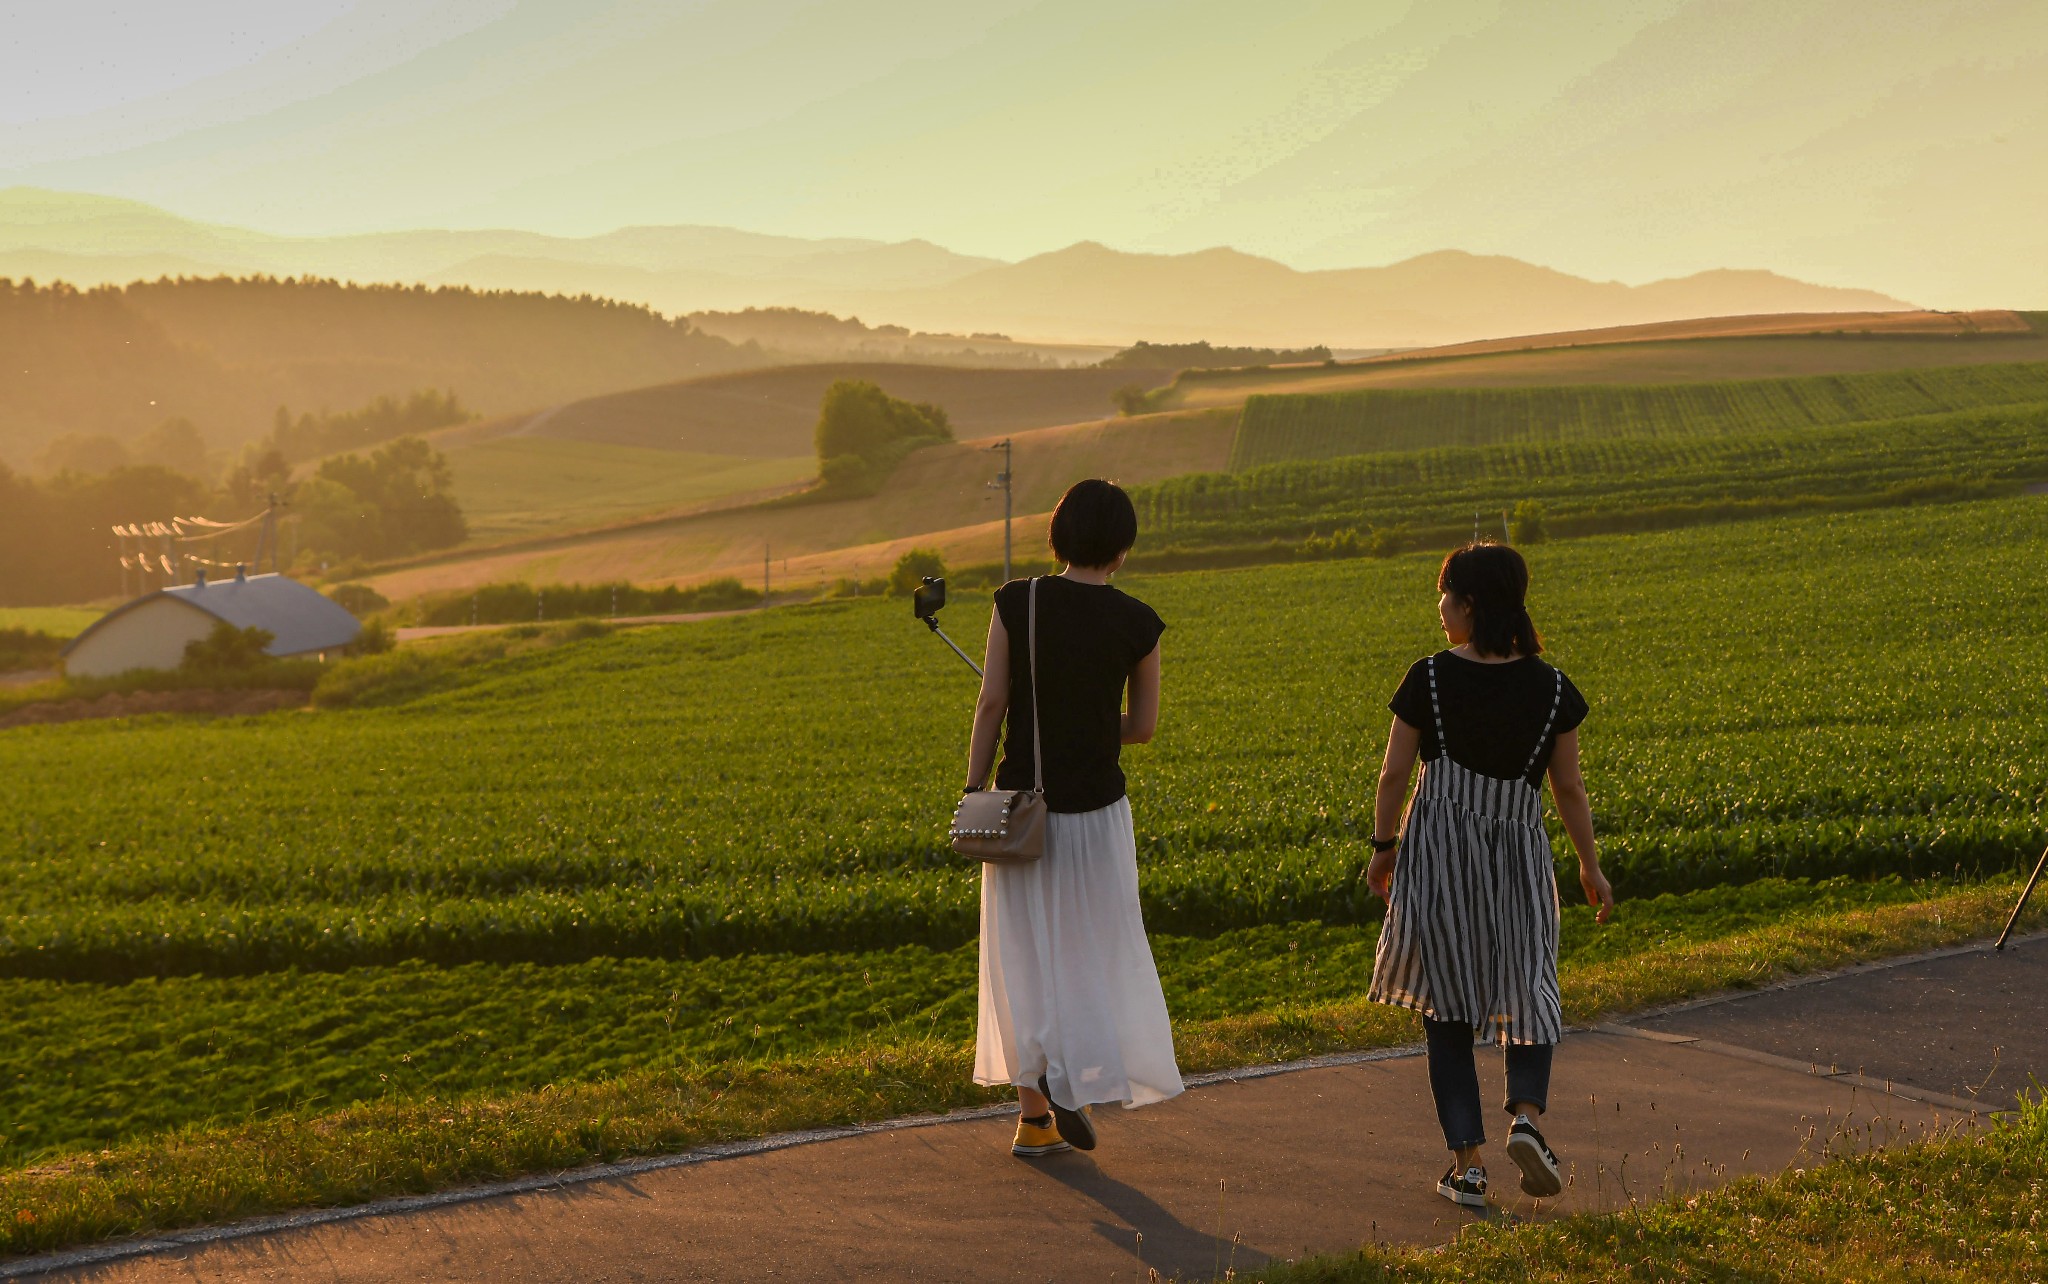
[1148, 1232]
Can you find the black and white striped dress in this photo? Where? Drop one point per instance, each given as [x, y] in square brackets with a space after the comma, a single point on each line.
[1471, 930]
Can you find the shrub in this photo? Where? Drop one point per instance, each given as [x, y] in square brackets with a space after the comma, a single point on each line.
[358, 599]
[375, 639]
[228, 650]
[1525, 523]
[1132, 399]
[911, 569]
[28, 649]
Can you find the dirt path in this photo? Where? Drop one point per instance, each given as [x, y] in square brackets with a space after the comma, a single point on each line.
[1315, 1158]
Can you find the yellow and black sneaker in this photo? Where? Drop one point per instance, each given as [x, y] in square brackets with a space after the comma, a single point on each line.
[1037, 1137]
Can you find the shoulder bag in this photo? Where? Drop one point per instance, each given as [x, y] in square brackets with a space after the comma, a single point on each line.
[1007, 826]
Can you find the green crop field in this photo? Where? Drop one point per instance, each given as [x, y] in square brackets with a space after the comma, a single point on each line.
[699, 849]
[1607, 483]
[57, 621]
[521, 486]
[1275, 429]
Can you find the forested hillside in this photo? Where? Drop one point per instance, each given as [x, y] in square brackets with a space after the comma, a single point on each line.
[226, 353]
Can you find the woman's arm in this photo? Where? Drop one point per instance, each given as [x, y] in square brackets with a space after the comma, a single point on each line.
[1402, 743]
[991, 705]
[1568, 787]
[1141, 712]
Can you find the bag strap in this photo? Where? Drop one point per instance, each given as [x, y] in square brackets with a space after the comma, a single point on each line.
[1031, 651]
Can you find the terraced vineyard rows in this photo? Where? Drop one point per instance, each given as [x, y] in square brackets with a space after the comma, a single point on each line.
[1279, 428]
[1583, 482]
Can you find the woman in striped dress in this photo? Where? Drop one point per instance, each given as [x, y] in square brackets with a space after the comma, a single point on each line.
[1470, 939]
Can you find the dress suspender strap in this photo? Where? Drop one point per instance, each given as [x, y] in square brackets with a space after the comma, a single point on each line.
[1442, 749]
[1556, 699]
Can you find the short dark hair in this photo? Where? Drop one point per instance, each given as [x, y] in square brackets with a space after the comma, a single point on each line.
[1494, 581]
[1093, 525]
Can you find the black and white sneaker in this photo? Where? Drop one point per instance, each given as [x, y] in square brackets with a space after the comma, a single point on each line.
[1535, 1158]
[1467, 1188]
[1075, 1127]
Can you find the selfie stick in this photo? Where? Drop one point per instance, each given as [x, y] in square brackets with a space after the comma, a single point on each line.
[933, 621]
[2023, 901]
[926, 603]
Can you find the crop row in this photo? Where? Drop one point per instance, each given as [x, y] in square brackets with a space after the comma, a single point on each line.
[1277, 428]
[1581, 479]
[1825, 695]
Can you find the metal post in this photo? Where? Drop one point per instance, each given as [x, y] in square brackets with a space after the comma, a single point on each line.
[1002, 483]
[2022, 901]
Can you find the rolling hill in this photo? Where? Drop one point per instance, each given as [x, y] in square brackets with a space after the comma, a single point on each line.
[1094, 293]
[1085, 293]
[720, 439]
[99, 240]
[227, 353]
[1700, 351]
[939, 497]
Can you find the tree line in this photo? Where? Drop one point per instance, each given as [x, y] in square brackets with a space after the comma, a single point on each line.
[223, 353]
[58, 540]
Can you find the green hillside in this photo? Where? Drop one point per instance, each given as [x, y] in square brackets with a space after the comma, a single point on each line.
[1606, 483]
[520, 486]
[1277, 428]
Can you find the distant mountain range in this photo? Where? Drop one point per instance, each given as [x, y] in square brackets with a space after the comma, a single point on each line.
[1086, 293]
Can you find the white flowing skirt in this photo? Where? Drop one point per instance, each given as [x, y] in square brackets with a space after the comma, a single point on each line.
[1068, 986]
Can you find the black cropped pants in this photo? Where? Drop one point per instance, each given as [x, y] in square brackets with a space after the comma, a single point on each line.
[1454, 1080]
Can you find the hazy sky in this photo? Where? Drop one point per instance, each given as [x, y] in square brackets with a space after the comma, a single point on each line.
[1900, 145]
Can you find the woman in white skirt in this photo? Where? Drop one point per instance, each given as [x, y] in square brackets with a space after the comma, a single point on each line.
[1071, 1010]
[1470, 939]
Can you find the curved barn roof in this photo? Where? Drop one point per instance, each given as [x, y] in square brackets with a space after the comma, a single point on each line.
[299, 619]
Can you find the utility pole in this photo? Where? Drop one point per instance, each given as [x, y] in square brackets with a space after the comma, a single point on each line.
[121, 533]
[1002, 483]
[766, 550]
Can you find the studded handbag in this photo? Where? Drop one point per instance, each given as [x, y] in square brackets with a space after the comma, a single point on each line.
[1007, 826]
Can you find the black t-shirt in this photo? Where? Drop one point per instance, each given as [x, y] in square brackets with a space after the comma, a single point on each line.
[1492, 712]
[1089, 638]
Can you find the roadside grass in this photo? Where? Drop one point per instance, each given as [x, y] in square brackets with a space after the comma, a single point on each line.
[1971, 1206]
[215, 1174]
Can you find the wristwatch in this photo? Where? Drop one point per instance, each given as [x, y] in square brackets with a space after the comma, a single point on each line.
[1386, 844]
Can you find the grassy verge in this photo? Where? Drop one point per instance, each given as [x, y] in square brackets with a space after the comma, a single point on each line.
[1971, 1207]
[278, 675]
[212, 1174]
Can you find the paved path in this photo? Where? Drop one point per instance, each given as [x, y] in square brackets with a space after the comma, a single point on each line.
[1314, 1160]
[1966, 1023]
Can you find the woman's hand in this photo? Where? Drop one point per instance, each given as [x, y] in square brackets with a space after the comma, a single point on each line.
[1379, 875]
[1598, 894]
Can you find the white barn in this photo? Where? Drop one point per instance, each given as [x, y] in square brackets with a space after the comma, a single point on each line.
[151, 631]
